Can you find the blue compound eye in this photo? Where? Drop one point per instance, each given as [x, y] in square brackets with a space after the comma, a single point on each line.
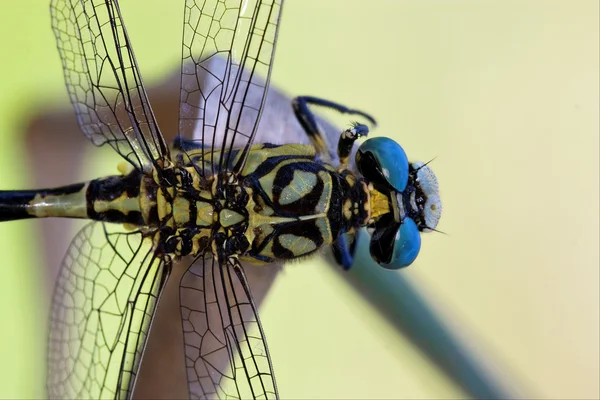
[381, 160]
[394, 245]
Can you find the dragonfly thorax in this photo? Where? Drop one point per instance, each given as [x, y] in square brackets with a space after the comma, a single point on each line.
[191, 214]
[297, 203]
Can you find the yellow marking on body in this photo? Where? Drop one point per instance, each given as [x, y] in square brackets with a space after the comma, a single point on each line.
[171, 191]
[298, 245]
[156, 239]
[147, 203]
[258, 155]
[204, 214]
[301, 184]
[261, 217]
[213, 186]
[181, 211]
[266, 182]
[129, 227]
[229, 217]
[350, 179]
[161, 204]
[124, 168]
[323, 205]
[164, 209]
[312, 216]
[203, 159]
[124, 204]
[267, 211]
[347, 209]
[325, 229]
[257, 220]
[252, 260]
[380, 204]
[195, 177]
[330, 168]
[72, 205]
[213, 247]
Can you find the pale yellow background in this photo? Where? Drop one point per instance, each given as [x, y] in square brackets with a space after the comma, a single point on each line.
[503, 93]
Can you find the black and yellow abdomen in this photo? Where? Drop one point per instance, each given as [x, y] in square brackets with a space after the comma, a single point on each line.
[112, 199]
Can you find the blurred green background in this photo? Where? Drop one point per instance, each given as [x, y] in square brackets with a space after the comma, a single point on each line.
[504, 93]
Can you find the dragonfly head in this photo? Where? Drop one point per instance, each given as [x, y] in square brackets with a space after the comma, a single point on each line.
[404, 201]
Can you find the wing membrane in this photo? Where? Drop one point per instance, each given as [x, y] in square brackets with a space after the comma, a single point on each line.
[225, 348]
[103, 80]
[242, 35]
[103, 304]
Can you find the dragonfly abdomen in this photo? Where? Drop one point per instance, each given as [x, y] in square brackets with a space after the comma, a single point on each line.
[111, 199]
[66, 201]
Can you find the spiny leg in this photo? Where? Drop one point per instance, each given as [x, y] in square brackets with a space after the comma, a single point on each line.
[307, 120]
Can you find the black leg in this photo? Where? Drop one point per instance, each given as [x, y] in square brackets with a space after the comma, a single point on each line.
[347, 139]
[343, 250]
[307, 119]
[304, 101]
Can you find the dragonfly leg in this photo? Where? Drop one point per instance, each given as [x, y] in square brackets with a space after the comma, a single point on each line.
[347, 139]
[344, 248]
[307, 120]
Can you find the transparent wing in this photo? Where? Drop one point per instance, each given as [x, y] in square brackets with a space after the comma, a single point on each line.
[225, 348]
[103, 304]
[278, 124]
[103, 80]
[242, 34]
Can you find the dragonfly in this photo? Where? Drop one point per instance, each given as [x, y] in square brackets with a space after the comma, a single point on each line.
[215, 199]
